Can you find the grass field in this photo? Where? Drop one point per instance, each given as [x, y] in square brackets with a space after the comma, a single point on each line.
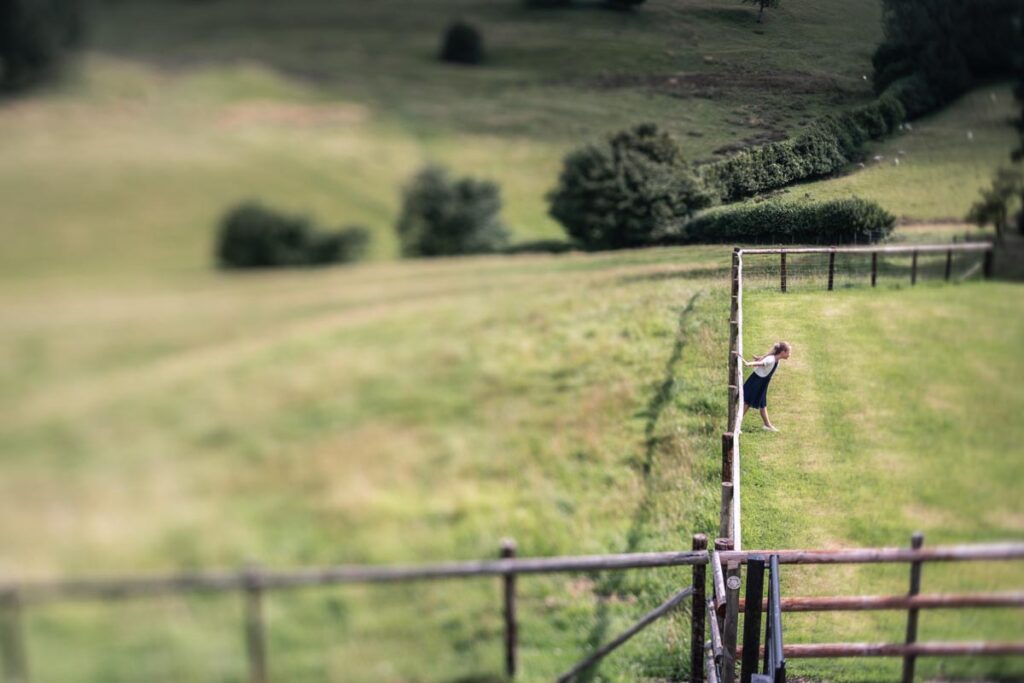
[156, 414]
[380, 414]
[179, 110]
[900, 404]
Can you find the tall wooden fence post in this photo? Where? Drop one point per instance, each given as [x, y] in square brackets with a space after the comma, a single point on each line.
[782, 272]
[508, 551]
[725, 511]
[986, 270]
[255, 634]
[916, 541]
[12, 641]
[752, 617]
[874, 268]
[734, 313]
[949, 264]
[730, 624]
[700, 543]
[727, 457]
[831, 269]
[913, 268]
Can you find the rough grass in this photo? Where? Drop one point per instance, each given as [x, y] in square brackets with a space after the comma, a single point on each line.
[380, 414]
[898, 414]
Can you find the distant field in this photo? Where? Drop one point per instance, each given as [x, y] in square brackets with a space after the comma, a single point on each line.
[180, 109]
[936, 169]
[898, 414]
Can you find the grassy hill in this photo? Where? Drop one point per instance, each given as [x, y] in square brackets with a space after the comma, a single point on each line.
[157, 414]
[180, 109]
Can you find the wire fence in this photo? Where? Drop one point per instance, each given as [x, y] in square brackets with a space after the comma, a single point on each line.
[834, 270]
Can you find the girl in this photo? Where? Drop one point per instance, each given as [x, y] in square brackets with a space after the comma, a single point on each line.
[755, 389]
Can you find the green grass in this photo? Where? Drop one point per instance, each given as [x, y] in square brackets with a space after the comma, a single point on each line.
[394, 413]
[156, 414]
[897, 413]
[179, 110]
[944, 161]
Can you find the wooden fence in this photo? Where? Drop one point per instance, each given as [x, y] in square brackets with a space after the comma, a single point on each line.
[252, 582]
[725, 607]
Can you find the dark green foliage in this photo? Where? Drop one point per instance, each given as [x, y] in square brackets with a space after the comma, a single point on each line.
[947, 46]
[35, 36]
[820, 150]
[1018, 123]
[462, 44]
[444, 216]
[540, 247]
[998, 202]
[253, 236]
[625, 4]
[842, 221]
[346, 245]
[626, 192]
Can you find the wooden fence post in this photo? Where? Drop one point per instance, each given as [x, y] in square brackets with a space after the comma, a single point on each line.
[508, 551]
[725, 512]
[913, 268]
[255, 635]
[831, 269]
[700, 543]
[782, 272]
[874, 268]
[730, 625]
[734, 330]
[727, 457]
[12, 641]
[949, 264]
[916, 541]
[752, 617]
[987, 267]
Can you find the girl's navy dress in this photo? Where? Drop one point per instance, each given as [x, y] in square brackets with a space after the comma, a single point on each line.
[755, 389]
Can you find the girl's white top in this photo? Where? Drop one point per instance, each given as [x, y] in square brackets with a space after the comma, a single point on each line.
[766, 369]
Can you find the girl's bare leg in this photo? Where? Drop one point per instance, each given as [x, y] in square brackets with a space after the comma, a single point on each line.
[765, 418]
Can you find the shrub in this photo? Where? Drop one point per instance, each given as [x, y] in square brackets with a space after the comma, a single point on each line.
[462, 44]
[253, 236]
[443, 216]
[841, 221]
[347, 245]
[627, 191]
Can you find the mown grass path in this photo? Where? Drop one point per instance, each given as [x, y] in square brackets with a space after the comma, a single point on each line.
[899, 412]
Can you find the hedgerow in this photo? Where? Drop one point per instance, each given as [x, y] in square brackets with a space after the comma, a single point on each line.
[841, 221]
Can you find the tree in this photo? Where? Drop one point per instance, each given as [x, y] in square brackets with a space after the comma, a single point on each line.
[632, 190]
[35, 35]
[996, 202]
[444, 216]
[1018, 123]
[762, 4]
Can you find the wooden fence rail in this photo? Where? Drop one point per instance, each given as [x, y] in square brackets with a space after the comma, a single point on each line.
[726, 606]
[253, 582]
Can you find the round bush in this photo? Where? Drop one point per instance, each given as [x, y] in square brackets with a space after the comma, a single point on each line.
[253, 236]
[632, 190]
[462, 44]
[444, 216]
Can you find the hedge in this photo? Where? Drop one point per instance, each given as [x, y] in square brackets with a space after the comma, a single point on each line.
[819, 151]
[840, 221]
